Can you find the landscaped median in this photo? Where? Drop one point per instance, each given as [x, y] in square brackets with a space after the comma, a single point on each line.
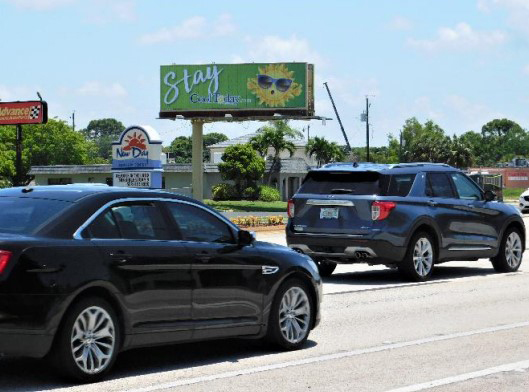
[260, 223]
[247, 205]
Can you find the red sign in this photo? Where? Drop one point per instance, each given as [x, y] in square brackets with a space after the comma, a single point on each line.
[29, 112]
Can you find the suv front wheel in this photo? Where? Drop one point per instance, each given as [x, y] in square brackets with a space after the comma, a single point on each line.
[417, 265]
[510, 255]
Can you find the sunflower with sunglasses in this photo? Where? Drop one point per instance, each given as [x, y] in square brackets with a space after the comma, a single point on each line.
[274, 85]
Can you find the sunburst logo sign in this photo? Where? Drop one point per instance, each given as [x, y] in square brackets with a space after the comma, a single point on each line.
[274, 85]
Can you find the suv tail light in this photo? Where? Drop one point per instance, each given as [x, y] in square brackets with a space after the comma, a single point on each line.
[5, 256]
[290, 208]
[380, 209]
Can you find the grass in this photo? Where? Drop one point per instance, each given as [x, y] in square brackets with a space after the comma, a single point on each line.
[248, 206]
[512, 193]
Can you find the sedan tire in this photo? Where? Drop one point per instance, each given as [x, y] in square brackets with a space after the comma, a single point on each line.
[87, 344]
[418, 263]
[292, 315]
[510, 255]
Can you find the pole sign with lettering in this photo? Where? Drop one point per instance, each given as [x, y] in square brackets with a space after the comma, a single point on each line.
[19, 113]
[136, 158]
[237, 89]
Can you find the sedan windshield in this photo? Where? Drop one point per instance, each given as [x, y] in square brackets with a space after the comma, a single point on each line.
[21, 215]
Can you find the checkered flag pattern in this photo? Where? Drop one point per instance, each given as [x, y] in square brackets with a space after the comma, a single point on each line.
[34, 112]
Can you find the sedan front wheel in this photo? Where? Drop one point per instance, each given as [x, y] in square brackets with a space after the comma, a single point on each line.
[292, 315]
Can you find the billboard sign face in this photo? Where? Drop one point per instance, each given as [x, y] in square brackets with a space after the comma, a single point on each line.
[236, 88]
[18, 113]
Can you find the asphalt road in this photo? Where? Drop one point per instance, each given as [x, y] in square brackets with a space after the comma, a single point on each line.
[466, 330]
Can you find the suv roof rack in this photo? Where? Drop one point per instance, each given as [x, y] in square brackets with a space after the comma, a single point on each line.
[414, 164]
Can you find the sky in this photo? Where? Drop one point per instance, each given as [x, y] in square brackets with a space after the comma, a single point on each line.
[460, 63]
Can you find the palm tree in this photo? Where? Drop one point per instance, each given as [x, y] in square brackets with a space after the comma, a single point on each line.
[279, 136]
[324, 151]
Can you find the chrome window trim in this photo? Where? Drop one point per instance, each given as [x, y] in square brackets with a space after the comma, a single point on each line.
[77, 233]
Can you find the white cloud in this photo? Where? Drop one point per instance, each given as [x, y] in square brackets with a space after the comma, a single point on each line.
[98, 89]
[196, 27]
[400, 23]
[460, 37]
[40, 5]
[103, 11]
[518, 11]
[469, 115]
[272, 48]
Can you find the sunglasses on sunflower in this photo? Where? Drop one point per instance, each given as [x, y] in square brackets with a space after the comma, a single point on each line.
[265, 82]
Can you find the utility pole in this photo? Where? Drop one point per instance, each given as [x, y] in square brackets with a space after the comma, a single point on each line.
[18, 157]
[73, 120]
[400, 147]
[308, 133]
[367, 128]
[348, 146]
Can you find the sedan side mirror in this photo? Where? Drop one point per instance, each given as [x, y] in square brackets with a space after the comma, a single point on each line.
[246, 237]
[489, 195]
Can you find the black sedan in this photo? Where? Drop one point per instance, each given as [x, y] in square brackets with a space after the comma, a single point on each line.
[89, 271]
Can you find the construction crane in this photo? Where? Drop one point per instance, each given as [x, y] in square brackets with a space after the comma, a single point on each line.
[348, 146]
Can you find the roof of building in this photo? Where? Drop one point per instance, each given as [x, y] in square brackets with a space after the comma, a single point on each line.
[246, 139]
[289, 165]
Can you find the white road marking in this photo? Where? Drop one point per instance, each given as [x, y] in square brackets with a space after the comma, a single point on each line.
[327, 357]
[510, 367]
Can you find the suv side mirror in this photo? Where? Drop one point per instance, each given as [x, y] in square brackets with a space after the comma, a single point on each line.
[245, 237]
[489, 195]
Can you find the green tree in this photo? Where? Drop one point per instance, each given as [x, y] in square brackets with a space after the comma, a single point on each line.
[278, 136]
[499, 127]
[324, 151]
[54, 143]
[182, 146]
[243, 165]
[103, 132]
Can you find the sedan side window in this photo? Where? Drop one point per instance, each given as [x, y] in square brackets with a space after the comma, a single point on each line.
[198, 225]
[438, 185]
[104, 226]
[465, 188]
[142, 221]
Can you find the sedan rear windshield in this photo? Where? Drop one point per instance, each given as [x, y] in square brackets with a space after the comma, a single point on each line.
[357, 183]
[21, 215]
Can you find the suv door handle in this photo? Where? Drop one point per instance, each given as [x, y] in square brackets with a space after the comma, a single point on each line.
[432, 203]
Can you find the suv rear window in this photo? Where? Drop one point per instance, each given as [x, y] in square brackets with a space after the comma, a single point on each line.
[352, 183]
[20, 215]
[357, 183]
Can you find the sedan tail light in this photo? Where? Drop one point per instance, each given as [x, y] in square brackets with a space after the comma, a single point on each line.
[380, 209]
[5, 256]
[291, 208]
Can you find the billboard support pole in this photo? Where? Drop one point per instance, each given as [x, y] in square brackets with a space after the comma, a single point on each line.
[18, 164]
[197, 176]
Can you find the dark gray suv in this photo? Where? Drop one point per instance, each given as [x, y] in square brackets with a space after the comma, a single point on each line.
[410, 216]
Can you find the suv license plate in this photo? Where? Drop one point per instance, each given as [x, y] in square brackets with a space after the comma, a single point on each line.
[329, 213]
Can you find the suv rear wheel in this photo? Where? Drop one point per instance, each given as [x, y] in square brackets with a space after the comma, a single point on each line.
[325, 267]
[510, 255]
[417, 265]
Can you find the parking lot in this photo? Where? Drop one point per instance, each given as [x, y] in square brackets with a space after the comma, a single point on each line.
[466, 329]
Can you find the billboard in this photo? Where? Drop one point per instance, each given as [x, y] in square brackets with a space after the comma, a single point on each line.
[237, 89]
[28, 112]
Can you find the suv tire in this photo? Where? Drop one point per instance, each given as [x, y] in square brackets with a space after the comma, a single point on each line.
[510, 255]
[418, 263]
[326, 267]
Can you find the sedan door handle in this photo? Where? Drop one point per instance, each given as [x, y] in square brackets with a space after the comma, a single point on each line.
[120, 258]
[203, 258]
[432, 203]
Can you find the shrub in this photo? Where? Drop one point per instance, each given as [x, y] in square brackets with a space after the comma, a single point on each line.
[223, 191]
[251, 193]
[242, 165]
[268, 193]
